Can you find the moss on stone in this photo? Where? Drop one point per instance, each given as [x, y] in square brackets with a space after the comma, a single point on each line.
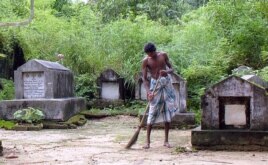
[72, 123]
[57, 125]
[78, 120]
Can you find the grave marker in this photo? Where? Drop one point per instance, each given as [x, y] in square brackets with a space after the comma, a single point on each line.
[45, 85]
[234, 115]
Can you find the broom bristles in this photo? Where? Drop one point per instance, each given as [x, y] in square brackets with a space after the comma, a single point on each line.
[134, 139]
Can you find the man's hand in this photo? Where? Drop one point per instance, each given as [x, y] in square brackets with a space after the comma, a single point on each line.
[163, 73]
[150, 96]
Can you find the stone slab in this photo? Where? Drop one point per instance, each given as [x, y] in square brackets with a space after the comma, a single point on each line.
[28, 127]
[180, 120]
[110, 91]
[104, 103]
[54, 109]
[245, 140]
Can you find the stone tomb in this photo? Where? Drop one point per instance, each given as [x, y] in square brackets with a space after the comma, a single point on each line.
[182, 117]
[111, 90]
[111, 86]
[46, 85]
[234, 115]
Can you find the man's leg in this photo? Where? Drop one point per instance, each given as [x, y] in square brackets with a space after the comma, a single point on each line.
[166, 144]
[149, 128]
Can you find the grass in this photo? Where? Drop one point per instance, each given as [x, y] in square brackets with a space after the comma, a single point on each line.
[7, 124]
[131, 109]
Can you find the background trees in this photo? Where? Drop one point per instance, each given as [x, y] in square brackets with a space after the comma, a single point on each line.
[205, 40]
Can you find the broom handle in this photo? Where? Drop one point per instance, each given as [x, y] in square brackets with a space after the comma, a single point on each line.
[147, 106]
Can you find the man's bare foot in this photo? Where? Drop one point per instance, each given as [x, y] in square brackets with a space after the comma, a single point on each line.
[146, 146]
[166, 144]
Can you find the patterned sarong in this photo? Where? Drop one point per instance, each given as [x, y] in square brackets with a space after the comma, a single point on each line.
[164, 103]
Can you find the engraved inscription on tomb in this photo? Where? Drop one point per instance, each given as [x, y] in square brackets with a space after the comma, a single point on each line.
[33, 85]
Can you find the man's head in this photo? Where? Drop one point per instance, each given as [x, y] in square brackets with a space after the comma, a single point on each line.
[150, 49]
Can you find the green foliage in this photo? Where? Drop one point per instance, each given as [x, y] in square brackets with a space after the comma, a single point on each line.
[7, 124]
[263, 73]
[86, 86]
[29, 115]
[59, 4]
[5, 41]
[63, 8]
[8, 91]
[14, 10]
[217, 38]
[244, 28]
[122, 43]
[205, 41]
[133, 108]
[166, 12]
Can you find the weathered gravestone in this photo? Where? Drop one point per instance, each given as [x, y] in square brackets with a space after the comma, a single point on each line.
[234, 115]
[112, 90]
[182, 117]
[46, 85]
[111, 85]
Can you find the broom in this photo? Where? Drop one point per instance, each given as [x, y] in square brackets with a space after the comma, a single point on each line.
[134, 138]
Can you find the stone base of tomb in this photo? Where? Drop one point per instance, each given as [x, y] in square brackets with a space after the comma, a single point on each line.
[54, 109]
[180, 120]
[1, 149]
[105, 103]
[28, 127]
[239, 140]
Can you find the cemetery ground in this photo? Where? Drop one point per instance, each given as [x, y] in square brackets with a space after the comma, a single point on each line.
[102, 141]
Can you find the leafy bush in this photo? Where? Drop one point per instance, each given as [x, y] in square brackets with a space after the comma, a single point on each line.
[263, 73]
[29, 115]
[14, 10]
[244, 27]
[8, 90]
[166, 12]
[86, 86]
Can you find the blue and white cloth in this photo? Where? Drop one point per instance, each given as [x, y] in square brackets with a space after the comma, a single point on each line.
[164, 104]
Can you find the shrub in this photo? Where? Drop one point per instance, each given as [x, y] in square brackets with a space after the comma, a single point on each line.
[86, 86]
[29, 115]
[8, 90]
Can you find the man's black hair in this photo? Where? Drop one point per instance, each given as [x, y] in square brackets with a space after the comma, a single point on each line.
[149, 47]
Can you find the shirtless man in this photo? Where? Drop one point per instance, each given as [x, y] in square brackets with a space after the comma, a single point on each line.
[162, 100]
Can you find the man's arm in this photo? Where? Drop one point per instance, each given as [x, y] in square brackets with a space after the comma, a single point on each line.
[166, 71]
[170, 70]
[144, 75]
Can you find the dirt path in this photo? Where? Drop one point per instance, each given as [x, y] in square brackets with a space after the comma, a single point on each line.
[103, 141]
